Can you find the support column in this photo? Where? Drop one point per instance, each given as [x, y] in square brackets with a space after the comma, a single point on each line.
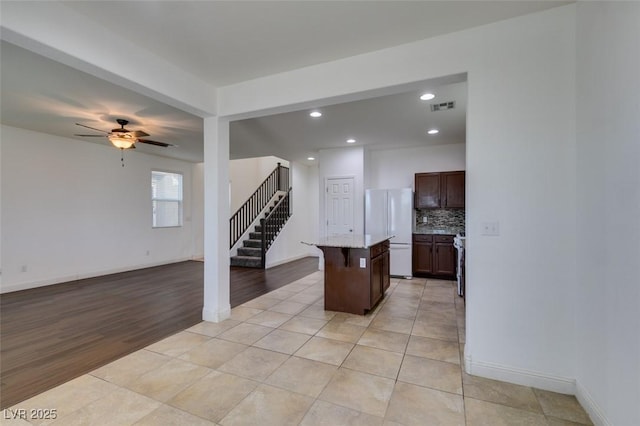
[216, 220]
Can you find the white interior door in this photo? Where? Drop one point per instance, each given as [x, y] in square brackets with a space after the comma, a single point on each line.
[339, 204]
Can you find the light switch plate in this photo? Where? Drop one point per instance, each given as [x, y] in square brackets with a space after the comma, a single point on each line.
[363, 262]
[491, 229]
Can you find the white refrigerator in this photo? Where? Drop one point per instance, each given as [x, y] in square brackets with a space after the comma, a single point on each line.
[390, 211]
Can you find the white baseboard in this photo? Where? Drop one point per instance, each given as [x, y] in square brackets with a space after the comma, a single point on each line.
[8, 288]
[216, 315]
[593, 410]
[520, 376]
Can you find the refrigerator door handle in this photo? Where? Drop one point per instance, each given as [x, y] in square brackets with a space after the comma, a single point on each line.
[389, 215]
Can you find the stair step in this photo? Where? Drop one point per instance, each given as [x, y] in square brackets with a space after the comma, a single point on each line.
[255, 235]
[258, 228]
[250, 251]
[246, 261]
[252, 243]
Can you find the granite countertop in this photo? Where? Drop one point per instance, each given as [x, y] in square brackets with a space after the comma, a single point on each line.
[421, 229]
[351, 240]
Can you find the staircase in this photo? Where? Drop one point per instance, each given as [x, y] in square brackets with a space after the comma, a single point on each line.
[252, 253]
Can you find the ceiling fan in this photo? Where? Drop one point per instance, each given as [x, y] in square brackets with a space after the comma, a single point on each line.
[123, 138]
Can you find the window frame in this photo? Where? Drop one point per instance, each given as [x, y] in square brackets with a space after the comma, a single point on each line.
[179, 201]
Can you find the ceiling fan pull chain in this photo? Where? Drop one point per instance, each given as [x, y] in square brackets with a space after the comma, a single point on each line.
[122, 156]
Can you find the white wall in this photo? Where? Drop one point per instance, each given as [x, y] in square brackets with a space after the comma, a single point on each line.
[342, 163]
[608, 212]
[1, 262]
[245, 175]
[69, 210]
[243, 180]
[302, 225]
[521, 173]
[197, 211]
[520, 151]
[395, 168]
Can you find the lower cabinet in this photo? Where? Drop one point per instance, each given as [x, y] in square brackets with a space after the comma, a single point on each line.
[434, 255]
[422, 256]
[379, 275]
[355, 279]
[444, 257]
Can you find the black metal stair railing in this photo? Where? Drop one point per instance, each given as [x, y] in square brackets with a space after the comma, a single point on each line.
[242, 219]
[273, 223]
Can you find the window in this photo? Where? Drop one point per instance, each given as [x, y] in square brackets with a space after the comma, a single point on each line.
[166, 199]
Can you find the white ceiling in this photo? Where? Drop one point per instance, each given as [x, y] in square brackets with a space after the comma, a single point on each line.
[46, 96]
[398, 120]
[226, 42]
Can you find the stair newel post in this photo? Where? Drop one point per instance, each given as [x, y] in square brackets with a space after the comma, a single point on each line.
[278, 176]
[263, 246]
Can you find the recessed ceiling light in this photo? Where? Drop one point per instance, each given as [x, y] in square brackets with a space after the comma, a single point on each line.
[427, 96]
[315, 114]
[351, 140]
[433, 131]
[311, 158]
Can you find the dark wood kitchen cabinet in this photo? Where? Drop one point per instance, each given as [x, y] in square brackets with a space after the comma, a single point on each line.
[439, 190]
[380, 275]
[355, 278]
[434, 255]
[452, 189]
[427, 190]
[422, 256]
[444, 255]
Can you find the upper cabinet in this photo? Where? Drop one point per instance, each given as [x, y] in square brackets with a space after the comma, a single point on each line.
[427, 191]
[439, 190]
[452, 189]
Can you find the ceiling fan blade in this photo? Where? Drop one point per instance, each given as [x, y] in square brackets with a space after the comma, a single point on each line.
[162, 144]
[139, 134]
[91, 136]
[92, 128]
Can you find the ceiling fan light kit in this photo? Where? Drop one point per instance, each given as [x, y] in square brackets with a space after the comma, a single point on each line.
[124, 141]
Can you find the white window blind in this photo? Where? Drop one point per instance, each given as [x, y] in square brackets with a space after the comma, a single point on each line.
[166, 199]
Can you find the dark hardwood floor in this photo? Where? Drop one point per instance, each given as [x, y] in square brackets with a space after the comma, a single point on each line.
[50, 335]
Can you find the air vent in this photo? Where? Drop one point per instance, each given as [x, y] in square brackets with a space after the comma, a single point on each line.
[443, 106]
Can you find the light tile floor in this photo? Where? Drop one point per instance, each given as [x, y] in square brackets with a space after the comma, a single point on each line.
[281, 359]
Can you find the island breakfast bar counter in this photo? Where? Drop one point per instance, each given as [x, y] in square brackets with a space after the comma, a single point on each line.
[356, 271]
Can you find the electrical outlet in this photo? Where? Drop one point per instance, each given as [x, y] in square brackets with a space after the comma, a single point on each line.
[491, 229]
[363, 262]
[424, 219]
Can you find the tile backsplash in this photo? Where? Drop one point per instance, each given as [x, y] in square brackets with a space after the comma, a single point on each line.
[441, 218]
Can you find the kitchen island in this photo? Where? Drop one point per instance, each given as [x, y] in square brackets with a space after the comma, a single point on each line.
[356, 271]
